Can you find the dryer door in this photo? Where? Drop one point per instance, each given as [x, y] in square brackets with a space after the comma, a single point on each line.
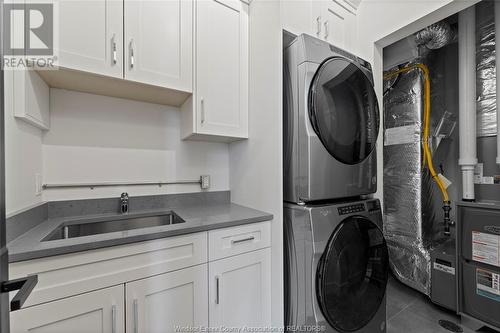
[352, 274]
[343, 110]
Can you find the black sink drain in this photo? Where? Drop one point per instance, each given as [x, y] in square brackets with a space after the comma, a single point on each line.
[450, 326]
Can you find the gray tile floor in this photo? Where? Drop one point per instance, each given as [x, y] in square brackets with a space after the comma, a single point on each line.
[409, 311]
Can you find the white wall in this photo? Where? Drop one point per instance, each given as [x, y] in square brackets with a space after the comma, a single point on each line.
[256, 164]
[97, 139]
[380, 18]
[23, 157]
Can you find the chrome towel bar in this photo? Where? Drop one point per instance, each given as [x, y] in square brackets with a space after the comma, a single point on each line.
[203, 181]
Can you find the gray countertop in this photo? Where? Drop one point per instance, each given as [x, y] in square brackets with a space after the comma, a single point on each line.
[198, 218]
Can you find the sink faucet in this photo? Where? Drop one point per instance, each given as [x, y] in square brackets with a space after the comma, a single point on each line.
[124, 203]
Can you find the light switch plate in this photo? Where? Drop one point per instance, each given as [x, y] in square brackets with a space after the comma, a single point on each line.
[38, 184]
[205, 181]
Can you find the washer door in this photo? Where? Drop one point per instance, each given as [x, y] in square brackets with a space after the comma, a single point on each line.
[352, 274]
[343, 110]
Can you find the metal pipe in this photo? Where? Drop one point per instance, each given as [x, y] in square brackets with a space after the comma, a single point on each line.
[107, 184]
[467, 99]
[497, 58]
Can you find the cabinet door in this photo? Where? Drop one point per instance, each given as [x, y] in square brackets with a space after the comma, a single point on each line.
[240, 290]
[334, 25]
[158, 42]
[222, 68]
[340, 25]
[295, 16]
[31, 99]
[351, 32]
[167, 302]
[90, 35]
[319, 15]
[98, 312]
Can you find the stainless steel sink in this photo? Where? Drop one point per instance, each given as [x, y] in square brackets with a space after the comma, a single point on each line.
[119, 223]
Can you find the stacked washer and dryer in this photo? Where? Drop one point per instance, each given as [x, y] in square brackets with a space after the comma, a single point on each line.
[336, 259]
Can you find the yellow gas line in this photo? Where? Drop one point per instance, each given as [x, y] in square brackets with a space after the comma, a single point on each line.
[427, 118]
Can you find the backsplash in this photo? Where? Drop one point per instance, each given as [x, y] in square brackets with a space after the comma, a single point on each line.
[96, 138]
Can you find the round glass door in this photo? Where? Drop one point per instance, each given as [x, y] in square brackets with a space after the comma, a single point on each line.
[352, 274]
[343, 110]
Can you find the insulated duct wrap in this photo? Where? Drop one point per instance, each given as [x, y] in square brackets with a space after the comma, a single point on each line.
[486, 70]
[408, 189]
[436, 35]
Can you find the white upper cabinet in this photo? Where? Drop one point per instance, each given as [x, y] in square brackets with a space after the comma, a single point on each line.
[98, 311]
[319, 12]
[90, 35]
[296, 16]
[26, 92]
[339, 26]
[240, 290]
[331, 20]
[158, 42]
[31, 98]
[219, 106]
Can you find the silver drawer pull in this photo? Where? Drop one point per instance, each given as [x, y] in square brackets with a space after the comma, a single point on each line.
[202, 111]
[113, 318]
[217, 300]
[236, 241]
[132, 59]
[136, 316]
[113, 49]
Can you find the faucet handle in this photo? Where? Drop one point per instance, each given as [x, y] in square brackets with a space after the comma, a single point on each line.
[124, 203]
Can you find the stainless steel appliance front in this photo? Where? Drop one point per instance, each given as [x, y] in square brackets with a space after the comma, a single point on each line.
[331, 123]
[336, 267]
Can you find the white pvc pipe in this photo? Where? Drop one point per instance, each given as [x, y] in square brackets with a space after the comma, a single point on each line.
[467, 99]
[497, 55]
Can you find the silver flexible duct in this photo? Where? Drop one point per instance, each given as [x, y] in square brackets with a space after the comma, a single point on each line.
[436, 35]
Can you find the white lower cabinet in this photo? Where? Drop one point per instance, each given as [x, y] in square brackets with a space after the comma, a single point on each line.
[99, 311]
[168, 302]
[240, 290]
[159, 286]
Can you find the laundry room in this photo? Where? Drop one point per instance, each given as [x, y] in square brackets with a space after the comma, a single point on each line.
[391, 177]
[249, 166]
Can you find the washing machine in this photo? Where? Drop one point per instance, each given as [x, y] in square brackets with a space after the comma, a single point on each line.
[336, 267]
[331, 123]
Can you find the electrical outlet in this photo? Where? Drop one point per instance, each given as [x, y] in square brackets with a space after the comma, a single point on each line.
[205, 181]
[38, 184]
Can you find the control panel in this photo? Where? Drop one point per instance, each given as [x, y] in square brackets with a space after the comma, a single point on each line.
[356, 208]
[373, 205]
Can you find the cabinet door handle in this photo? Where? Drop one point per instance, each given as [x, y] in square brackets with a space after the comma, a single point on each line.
[113, 49]
[327, 30]
[318, 25]
[202, 110]
[236, 241]
[132, 53]
[217, 285]
[113, 319]
[136, 317]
